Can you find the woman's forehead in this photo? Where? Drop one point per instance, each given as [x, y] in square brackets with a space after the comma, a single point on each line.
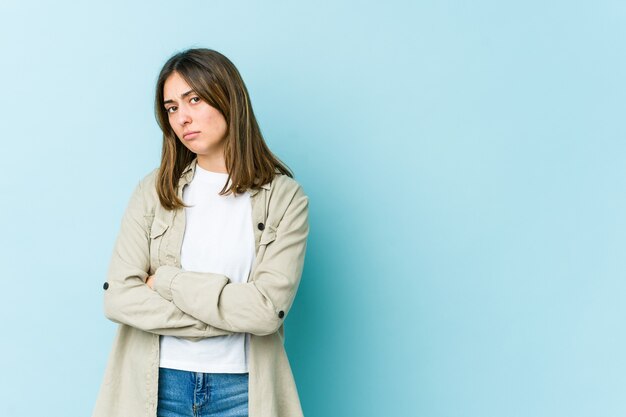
[175, 87]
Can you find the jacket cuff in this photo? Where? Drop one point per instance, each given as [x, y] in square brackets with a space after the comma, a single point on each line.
[163, 277]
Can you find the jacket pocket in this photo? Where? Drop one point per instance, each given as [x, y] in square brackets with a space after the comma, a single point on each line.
[157, 231]
[268, 236]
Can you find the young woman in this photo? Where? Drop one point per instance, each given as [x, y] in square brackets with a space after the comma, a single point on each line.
[207, 261]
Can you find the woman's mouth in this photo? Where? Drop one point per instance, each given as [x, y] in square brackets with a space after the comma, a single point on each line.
[191, 135]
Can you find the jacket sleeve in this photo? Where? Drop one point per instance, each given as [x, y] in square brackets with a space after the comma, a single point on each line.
[258, 306]
[128, 299]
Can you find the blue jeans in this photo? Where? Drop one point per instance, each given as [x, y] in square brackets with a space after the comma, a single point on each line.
[198, 394]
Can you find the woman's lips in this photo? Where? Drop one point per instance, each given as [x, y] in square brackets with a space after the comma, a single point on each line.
[191, 135]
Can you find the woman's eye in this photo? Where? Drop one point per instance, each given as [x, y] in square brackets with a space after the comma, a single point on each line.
[168, 110]
[194, 98]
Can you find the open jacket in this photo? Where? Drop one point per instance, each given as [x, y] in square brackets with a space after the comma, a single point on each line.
[195, 305]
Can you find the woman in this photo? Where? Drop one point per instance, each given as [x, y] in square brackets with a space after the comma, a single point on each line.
[207, 262]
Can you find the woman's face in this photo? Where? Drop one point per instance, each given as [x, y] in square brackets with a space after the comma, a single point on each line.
[188, 113]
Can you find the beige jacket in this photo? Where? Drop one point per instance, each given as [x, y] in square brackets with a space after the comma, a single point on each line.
[195, 305]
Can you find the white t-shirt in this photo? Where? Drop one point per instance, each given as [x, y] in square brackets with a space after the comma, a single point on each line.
[218, 238]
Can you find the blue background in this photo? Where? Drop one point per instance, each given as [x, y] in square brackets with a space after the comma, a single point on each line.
[465, 168]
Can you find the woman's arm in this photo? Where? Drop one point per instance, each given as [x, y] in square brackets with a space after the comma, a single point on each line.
[127, 298]
[260, 305]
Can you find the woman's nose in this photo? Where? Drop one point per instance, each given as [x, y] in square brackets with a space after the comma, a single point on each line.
[183, 117]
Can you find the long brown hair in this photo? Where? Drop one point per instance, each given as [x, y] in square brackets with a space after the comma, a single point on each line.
[249, 161]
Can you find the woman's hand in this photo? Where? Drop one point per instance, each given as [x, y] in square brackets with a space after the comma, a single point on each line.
[150, 281]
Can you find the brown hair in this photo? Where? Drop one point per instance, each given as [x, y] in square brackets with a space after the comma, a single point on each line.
[249, 161]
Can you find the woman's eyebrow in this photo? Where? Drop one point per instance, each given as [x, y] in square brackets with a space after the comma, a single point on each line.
[183, 95]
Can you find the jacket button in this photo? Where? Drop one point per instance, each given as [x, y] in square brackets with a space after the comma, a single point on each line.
[281, 314]
[261, 226]
[106, 285]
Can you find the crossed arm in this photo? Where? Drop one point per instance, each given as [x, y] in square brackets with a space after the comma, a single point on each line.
[196, 305]
[128, 300]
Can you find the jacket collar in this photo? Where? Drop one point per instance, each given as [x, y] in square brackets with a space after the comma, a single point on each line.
[190, 170]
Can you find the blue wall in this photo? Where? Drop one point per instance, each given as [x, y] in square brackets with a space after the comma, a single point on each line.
[465, 168]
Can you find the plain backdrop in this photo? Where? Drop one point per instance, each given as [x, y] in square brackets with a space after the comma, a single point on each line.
[465, 164]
